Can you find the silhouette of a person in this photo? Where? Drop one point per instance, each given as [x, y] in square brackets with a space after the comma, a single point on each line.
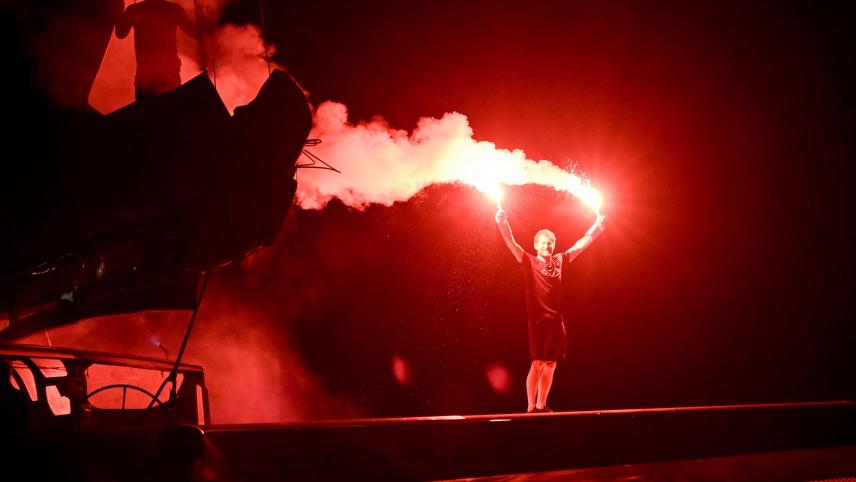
[154, 23]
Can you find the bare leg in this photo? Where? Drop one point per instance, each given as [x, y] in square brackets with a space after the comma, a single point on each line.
[545, 381]
[532, 384]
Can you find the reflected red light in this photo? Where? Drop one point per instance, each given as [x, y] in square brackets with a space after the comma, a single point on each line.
[59, 404]
[401, 371]
[498, 378]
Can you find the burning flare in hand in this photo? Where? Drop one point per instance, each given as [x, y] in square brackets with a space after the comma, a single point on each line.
[589, 196]
[493, 191]
[383, 165]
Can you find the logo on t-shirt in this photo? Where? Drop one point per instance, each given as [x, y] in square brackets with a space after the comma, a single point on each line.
[551, 269]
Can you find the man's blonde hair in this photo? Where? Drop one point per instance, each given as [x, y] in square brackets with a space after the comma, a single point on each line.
[544, 232]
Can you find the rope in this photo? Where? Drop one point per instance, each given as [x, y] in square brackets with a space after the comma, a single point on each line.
[313, 159]
[173, 374]
[264, 34]
[200, 32]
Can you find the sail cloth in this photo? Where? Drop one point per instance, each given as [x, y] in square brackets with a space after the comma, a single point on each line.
[150, 196]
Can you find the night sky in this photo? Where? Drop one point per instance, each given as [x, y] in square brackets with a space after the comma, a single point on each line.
[720, 136]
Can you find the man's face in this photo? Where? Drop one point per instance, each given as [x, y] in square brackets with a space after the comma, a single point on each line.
[544, 245]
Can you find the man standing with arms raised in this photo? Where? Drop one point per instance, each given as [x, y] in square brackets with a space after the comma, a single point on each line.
[154, 23]
[542, 275]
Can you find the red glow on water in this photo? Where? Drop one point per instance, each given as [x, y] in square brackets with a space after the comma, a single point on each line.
[498, 377]
[401, 371]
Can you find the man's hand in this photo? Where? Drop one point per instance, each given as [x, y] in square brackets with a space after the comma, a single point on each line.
[501, 216]
[597, 227]
[505, 229]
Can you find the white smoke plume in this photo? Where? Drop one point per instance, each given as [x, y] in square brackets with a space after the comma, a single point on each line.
[239, 64]
[382, 165]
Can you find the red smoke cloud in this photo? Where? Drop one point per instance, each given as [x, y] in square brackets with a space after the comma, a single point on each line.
[253, 369]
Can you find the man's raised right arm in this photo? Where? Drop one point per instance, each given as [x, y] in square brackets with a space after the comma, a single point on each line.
[505, 229]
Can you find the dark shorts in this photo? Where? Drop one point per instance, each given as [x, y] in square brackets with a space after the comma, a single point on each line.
[547, 339]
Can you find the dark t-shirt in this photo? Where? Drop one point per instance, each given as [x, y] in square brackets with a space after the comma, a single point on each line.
[155, 23]
[543, 286]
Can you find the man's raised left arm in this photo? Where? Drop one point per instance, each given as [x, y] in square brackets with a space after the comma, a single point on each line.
[185, 24]
[593, 232]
